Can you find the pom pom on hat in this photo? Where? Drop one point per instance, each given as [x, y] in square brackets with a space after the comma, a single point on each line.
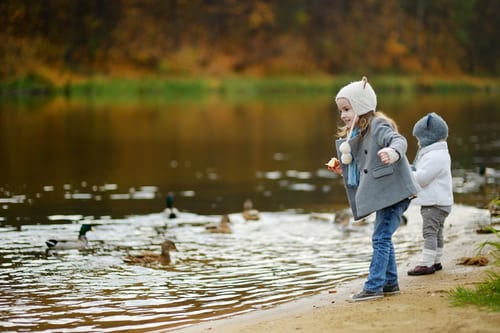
[430, 129]
[361, 96]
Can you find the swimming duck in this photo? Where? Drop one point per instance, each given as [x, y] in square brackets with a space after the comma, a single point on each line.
[249, 213]
[170, 210]
[151, 257]
[343, 217]
[222, 227]
[64, 244]
[321, 217]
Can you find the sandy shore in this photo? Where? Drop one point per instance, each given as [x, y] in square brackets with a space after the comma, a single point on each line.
[422, 305]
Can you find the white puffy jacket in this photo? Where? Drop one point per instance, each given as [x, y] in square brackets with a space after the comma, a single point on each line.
[433, 174]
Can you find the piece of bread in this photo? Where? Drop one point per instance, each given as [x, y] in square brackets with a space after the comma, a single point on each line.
[333, 163]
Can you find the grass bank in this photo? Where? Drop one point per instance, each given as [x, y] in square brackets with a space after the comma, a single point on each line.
[487, 293]
[110, 87]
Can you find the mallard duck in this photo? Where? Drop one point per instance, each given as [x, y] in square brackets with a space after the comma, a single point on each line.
[343, 217]
[151, 257]
[321, 217]
[170, 210]
[346, 221]
[249, 213]
[64, 244]
[222, 227]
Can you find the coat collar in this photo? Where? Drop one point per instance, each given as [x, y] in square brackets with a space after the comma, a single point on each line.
[440, 145]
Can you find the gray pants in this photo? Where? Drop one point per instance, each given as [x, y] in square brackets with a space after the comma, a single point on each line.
[433, 223]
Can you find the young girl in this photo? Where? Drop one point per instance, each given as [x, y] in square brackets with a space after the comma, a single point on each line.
[377, 178]
[433, 175]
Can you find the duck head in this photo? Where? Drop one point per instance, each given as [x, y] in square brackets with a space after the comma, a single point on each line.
[225, 219]
[167, 246]
[85, 228]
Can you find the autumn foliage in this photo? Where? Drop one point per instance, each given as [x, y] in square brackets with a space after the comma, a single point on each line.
[173, 38]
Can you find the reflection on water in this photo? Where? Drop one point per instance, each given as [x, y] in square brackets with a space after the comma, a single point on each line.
[212, 155]
[65, 163]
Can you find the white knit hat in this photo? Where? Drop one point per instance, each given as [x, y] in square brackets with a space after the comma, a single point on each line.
[361, 96]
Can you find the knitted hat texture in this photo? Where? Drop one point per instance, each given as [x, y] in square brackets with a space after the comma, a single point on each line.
[430, 129]
[361, 96]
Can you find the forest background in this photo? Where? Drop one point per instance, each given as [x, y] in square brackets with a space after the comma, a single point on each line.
[62, 42]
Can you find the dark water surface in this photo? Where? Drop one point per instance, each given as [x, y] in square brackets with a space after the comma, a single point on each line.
[111, 164]
[210, 154]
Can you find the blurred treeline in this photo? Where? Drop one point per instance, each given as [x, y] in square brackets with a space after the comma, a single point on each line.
[178, 38]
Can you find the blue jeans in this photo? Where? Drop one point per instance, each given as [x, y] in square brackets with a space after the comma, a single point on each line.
[383, 269]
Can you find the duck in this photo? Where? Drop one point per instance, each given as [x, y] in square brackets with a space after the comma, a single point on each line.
[170, 210]
[148, 257]
[343, 217]
[222, 227]
[68, 244]
[346, 222]
[320, 217]
[249, 213]
[468, 181]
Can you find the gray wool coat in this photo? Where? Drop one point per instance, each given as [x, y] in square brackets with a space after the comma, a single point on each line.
[380, 185]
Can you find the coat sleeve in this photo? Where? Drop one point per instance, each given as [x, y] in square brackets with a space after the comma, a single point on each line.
[386, 136]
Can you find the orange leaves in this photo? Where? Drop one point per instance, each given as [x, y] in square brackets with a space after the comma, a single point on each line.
[262, 14]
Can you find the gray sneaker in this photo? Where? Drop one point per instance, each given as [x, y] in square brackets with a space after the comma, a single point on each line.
[391, 290]
[367, 296]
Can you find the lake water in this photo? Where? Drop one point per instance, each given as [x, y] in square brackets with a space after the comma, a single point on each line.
[111, 164]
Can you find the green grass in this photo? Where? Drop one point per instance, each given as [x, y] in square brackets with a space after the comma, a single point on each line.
[234, 87]
[486, 294]
[106, 88]
[31, 84]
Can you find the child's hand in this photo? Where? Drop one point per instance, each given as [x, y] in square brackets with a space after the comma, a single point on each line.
[388, 155]
[334, 165]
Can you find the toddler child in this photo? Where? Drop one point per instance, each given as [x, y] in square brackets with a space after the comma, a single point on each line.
[432, 170]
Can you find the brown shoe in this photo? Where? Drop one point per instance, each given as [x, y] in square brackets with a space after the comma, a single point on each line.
[422, 270]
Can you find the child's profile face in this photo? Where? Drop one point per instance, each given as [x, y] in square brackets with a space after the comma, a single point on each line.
[346, 112]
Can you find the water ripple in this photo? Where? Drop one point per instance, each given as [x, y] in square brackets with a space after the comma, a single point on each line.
[262, 263]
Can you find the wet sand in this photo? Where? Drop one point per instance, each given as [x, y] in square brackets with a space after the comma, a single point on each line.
[422, 306]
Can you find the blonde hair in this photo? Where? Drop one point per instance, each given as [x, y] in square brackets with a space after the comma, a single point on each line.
[364, 123]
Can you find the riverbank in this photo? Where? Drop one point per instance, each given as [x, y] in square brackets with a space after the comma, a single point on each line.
[234, 86]
[422, 306]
